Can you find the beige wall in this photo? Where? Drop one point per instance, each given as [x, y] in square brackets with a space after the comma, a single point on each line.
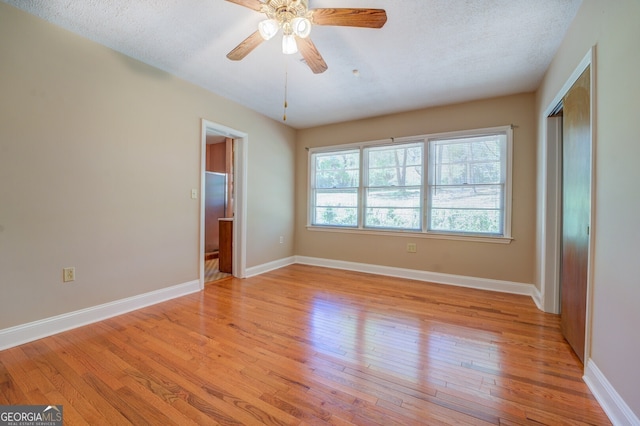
[98, 155]
[613, 27]
[513, 262]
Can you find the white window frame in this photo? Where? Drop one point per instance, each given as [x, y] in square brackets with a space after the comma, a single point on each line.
[313, 190]
[505, 237]
[367, 186]
[505, 180]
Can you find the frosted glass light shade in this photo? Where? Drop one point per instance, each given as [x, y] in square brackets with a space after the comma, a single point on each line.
[289, 45]
[268, 28]
[301, 27]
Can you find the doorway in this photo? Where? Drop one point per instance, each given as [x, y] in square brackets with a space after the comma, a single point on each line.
[568, 206]
[234, 160]
[218, 209]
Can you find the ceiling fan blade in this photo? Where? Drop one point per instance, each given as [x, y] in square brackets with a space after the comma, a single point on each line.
[245, 47]
[251, 4]
[366, 18]
[311, 55]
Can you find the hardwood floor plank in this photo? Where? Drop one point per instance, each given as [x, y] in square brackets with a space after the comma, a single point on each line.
[177, 378]
[305, 345]
[224, 402]
[53, 367]
[12, 385]
[76, 413]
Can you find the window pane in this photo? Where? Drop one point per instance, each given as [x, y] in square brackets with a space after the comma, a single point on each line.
[468, 161]
[486, 148]
[337, 179]
[393, 217]
[393, 208]
[486, 172]
[393, 195]
[470, 221]
[467, 184]
[399, 165]
[336, 207]
[398, 197]
[335, 188]
[336, 216]
[336, 198]
[467, 196]
[337, 170]
[451, 174]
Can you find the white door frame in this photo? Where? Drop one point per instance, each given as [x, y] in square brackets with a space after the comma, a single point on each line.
[240, 150]
[552, 205]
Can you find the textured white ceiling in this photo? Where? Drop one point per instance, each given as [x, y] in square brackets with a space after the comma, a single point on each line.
[430, 52]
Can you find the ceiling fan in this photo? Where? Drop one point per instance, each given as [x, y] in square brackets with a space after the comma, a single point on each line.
[295, 19]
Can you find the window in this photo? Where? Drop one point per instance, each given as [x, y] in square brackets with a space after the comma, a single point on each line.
[335, 188]
[445, 184]
[467, 179]
[393, 186]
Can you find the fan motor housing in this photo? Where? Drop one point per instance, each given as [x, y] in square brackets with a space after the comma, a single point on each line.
[285, 10]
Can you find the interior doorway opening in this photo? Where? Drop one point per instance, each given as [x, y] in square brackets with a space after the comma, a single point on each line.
[222, 201]
[218, 208]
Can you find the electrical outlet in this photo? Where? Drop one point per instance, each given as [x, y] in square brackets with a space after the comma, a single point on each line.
[281, 239]
[68, 274]
[412, 247]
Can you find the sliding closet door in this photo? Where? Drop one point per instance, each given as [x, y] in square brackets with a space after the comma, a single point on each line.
[576, 211]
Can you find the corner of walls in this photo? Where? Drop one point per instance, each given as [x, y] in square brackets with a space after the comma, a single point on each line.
[269, 266]
[537, 298]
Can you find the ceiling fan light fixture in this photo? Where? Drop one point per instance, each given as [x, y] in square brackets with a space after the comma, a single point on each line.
[289, 45]
[301, 27]
[268, 28]
[296, 19]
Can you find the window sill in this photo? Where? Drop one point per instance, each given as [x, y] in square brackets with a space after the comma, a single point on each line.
[413, 234]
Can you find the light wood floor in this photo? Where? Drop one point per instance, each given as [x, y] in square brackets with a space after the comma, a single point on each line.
[212, 271]
[307, 345]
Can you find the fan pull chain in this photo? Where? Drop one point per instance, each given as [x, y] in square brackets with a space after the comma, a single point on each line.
[286, 78]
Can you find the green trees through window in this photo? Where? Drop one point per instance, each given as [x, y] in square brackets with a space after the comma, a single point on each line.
[336, 181]
[467, 184]
[393, 186]
[453, 183]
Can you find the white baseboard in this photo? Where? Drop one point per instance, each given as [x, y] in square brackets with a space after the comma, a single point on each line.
[14, 336]
[266, 267]
[611, 402]
[537, 298]
[434, 277]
